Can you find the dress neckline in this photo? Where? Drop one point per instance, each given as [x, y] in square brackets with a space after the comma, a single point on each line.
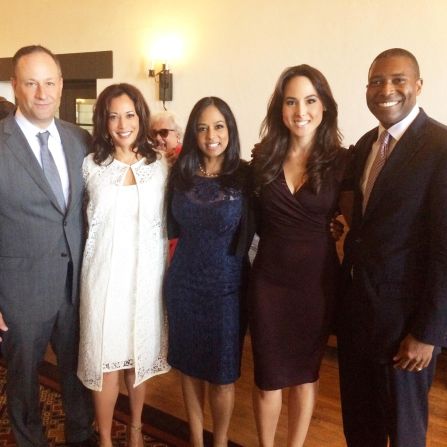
[293, 194]
[129, 165]
[206, 178]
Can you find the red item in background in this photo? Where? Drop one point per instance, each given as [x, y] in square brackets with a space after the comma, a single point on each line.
[172, 245]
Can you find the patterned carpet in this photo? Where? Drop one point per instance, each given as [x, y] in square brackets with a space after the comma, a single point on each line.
[159, 429]
[53, 419]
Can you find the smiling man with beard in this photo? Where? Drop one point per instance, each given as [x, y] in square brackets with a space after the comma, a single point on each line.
[393, 315]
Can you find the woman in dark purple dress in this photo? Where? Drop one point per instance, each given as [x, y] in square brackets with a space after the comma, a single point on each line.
[297, 170]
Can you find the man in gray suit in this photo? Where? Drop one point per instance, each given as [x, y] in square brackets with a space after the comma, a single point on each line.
[41, 243]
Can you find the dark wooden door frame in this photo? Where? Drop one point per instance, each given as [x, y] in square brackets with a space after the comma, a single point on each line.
[75, 66]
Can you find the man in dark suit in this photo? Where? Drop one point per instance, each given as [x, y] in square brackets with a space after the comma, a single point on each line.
[41, 244]
[393, 316]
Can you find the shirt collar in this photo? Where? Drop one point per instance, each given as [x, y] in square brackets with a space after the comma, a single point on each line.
[28, 127]
[398, 129]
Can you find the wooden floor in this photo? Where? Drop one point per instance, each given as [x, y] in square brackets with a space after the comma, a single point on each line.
[326, 430]
[164, 393]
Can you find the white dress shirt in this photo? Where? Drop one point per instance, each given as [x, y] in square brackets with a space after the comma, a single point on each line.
[396, 131]
[54, 145]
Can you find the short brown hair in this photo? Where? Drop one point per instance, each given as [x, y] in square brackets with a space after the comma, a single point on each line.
[30, 49]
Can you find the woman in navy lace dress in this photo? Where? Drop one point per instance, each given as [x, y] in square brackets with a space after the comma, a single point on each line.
[208, 213]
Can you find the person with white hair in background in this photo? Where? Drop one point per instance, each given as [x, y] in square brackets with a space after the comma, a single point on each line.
[168, 134]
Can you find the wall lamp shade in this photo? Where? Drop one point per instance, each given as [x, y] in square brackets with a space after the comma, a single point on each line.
[165, 82]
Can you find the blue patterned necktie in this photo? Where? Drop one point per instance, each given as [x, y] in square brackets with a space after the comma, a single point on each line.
[50, 169]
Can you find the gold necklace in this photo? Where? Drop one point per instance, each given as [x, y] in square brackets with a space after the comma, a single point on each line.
[207, 174]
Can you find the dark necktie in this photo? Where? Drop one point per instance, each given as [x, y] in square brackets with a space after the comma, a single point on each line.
[378, 164]
[50, 169]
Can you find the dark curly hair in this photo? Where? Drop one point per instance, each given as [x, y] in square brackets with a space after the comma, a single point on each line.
[270, 153]
[190, 157]
[102, 144]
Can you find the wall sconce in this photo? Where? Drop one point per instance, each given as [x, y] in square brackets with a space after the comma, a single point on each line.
[165, 83]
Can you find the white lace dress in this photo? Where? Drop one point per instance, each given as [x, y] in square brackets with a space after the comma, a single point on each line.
[122, 317]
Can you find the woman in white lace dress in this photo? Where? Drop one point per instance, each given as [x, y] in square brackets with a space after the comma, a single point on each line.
[123, 325]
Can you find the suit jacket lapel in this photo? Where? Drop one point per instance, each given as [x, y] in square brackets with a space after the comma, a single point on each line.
[19, 147]
[402, 153]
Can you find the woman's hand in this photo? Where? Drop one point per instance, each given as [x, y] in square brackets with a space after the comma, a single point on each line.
[3, 326]
[336, 228]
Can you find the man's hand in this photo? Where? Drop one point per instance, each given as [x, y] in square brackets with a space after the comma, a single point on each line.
[413, 355]
[3, 326]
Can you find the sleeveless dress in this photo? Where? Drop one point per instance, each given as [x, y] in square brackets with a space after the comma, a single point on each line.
[292, 285]
[204, 280]
[119, 313]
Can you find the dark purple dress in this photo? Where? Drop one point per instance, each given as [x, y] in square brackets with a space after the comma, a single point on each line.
[292, 286]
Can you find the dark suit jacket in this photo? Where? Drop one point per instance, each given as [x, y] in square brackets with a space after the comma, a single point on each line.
[38, 243]
[397, 250]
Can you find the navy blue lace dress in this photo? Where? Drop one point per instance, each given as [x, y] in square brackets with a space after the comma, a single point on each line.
[204, 282]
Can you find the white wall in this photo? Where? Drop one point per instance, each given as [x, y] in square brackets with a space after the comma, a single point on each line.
[236, 49]
[6, 91]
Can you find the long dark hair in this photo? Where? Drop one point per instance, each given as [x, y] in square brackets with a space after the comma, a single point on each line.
[270, 153]
[191, 156]
[102, 144]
